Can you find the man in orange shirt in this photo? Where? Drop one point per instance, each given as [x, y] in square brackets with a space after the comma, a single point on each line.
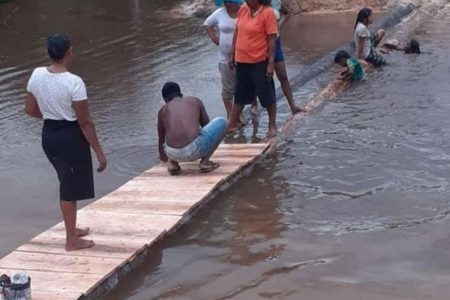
[253, 54]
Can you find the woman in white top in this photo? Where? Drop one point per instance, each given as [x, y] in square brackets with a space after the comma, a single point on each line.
[59, 97]
[224, 19]
[366, 43]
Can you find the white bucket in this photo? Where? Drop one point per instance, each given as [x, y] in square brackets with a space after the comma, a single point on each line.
[16, 290]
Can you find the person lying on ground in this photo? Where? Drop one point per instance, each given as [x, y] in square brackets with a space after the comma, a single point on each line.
[354, 71]
[185, 132]
[365, 42]
[411, 47]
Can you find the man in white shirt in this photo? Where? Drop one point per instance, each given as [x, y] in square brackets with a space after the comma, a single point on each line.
[224, 19]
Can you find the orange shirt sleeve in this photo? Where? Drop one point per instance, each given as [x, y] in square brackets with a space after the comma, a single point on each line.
[270, 22]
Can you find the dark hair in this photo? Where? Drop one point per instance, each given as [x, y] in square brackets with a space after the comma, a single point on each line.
[414, 46]
[171, 90]
[57, 46]
[265, 2]
[340, 55]
[363, 15]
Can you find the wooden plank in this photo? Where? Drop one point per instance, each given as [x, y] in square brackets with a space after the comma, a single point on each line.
[55, 295]
[123, 225]
[137, 206]
[62, 283]
[188, 196]
[69, 263]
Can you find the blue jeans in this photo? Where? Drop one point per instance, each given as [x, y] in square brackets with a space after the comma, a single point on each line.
[209, 137]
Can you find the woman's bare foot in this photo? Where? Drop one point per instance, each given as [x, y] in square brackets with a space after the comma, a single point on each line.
[254, 110]
[295, 110]
[79, 244]
[80, 232]
[271, 133]
[173, 167]
[232, 130]
[242, 120]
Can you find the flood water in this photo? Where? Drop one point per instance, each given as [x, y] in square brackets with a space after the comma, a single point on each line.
[355, 206]
[125, 51]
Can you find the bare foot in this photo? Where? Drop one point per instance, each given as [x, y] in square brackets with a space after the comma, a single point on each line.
[232, 130]
[79, 244]
[208, 166]
[173, 167]
[242, 120]
[80, 232]
[296, 110]
[254, 110]
[271, 133]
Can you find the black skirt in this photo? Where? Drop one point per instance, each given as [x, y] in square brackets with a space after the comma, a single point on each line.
[70, 154]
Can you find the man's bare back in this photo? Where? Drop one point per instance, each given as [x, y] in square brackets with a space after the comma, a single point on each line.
[185, 131]
[182, 119]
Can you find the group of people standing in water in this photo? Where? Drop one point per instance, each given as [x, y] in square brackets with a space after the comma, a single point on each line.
[250, 53]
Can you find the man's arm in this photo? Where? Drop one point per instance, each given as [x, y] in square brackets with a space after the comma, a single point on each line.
[87, 127]
[31, 106]
[161, 137]
[204, 118]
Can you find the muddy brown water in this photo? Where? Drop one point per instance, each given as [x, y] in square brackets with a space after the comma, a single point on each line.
[355, 206]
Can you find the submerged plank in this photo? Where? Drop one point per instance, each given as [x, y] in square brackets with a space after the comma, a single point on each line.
[124, 225]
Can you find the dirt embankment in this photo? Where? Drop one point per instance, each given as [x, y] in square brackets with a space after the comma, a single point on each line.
[297, 6]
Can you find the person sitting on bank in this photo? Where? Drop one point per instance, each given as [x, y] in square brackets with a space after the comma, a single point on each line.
[412, 47]
[354, 71]
[185, 132]
[365, 42]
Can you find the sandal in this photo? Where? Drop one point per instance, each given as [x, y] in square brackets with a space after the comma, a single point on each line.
[173, 168]
[211, 166]
[174, 171]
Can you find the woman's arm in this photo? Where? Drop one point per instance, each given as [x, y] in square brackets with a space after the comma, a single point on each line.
[271, 62]
[31, 106]
[285, 15]
[212, 34]
[89, 132]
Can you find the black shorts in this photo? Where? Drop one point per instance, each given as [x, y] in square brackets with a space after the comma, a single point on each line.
[70, 154]
[251, 80]
[374, 57]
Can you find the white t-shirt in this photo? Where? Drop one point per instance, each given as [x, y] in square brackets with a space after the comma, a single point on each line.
[362, 31]
[56, 92]
[276, 5]
[226, 26]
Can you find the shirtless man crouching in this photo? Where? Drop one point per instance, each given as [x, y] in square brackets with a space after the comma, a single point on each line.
[185, 132]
